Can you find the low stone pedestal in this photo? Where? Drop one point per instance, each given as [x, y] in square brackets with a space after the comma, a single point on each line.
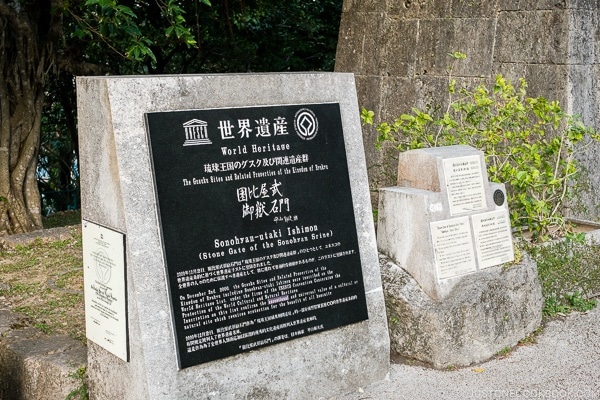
[483, 314]
[33, 365]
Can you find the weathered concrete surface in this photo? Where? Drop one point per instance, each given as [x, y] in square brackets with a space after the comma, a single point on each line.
[33, 365]
[398, 51]
[563, 362]
[406, 211]
[485, 313]
[118, 192]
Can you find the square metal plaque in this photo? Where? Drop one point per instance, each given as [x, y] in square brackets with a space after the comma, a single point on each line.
[258, 226]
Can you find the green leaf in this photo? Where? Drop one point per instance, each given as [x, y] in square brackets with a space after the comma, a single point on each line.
[126, 10]
[457, 55]
[366, 116]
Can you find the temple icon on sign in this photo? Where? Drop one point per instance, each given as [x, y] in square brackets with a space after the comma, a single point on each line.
[196, 133]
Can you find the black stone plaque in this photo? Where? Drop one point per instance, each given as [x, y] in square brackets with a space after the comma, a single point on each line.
[257, 224]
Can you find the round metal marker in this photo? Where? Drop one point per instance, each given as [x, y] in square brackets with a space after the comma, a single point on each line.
[499, 197]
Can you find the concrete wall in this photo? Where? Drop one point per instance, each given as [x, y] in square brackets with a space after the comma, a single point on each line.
[398, 50]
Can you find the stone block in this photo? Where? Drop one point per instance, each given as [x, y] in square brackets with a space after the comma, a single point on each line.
[544, 41]
[400, 211]
[586, 204]
[396, 94]
[472, 36]
[399, 41]
[372, 50]
[349, 57]
[511, 71]
[359, 50]
[369, 89]
[547, 80]
[584, 35]
[36, 366]
[431, 92]
[430, 224]
[484, 313]
[585, 102]
[364, 5]
[584, 94]
[423, 169]
[419, 8]
[583, 4]
[528, 5]
[45, 235]
[532, 37]
[474, 8]
[114, 149]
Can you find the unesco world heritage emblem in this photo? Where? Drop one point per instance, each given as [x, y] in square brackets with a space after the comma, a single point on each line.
[306, 124]
[196, 133]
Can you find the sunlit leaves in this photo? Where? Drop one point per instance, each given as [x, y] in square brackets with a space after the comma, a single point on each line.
[529, 144]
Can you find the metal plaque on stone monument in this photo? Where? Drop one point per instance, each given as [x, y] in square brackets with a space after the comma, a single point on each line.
[464, 183]
[258, 226]
[105, 288]
[493, 238]
[453, 247]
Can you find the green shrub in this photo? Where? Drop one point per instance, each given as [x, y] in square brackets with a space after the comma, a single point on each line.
[529, 144]
[569, 272]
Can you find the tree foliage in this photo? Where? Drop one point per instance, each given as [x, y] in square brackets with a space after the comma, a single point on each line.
[193, 36]
[46, 43]
[529, 144]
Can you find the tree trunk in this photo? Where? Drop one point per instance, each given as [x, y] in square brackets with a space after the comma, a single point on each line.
[26, 43]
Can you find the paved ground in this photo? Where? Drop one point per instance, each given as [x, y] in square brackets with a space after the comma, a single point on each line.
[563, 364]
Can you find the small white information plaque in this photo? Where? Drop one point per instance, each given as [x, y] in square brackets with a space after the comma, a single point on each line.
[105, 288]
[493, 238]
[453, 247]
[464, 183]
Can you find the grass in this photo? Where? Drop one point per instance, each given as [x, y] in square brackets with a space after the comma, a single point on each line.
[62, 218]
[505, 352]
[531, 338]
[44, 281]
[569, 271]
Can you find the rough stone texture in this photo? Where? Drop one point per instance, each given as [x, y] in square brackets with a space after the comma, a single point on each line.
[52, 234]
[423, 168]
[117, 191]
[520, 37]
[35, 366]
[399, 53]
[406, 211]
[485, 313]
[457, 34]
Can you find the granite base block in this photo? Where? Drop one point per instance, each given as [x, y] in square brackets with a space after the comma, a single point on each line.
[485, 313]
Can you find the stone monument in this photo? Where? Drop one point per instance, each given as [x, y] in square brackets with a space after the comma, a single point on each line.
[398, 52]
[445, 238]
[229, 248]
